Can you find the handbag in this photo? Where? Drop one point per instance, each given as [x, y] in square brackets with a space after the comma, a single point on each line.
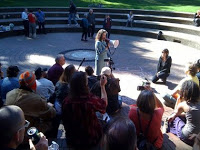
[142, 141]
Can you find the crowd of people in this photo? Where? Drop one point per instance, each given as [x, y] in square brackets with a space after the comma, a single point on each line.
[80, 100]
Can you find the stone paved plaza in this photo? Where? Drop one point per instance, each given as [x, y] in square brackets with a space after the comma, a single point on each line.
[135, 58]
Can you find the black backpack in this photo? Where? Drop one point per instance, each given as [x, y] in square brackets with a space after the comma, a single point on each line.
[142, 141]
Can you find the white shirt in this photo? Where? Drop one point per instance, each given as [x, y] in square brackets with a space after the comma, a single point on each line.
[130, 17]
[45, 88]
[24, 16]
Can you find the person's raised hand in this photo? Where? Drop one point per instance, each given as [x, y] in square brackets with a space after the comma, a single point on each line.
[103, 80]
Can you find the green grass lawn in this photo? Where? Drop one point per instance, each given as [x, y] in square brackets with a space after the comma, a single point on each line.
[169, 5]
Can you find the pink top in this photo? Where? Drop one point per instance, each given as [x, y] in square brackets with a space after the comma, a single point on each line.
[154, 129]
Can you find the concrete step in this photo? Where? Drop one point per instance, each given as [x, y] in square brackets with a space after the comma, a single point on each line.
[180, 20]
[189, 29]
[182, 38]
[103, 10]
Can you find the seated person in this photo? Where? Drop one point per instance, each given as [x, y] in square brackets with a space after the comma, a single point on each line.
[83, 130]
[92, 79]
[56, 70]
[112, 90]
[190, 71]
[45, 87]
[198, 69]
[10, 82]
[185, 120]
[147, 117]
[62, 87]
[197, 18]
[130, 19]
[121, 135]
[35, 108]
[163, 67]
[12, 129]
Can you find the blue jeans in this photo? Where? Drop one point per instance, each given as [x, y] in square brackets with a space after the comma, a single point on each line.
[72, 15]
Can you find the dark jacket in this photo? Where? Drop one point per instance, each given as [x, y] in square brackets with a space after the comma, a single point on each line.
[72, 8]
[167, 65]
[91, 19]
[107, 23]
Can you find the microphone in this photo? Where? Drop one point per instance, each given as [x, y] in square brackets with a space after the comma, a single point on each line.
[81, 63]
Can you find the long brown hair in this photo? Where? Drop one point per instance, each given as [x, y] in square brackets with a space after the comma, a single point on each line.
[99, 34]
[78, 85]
[67, 74]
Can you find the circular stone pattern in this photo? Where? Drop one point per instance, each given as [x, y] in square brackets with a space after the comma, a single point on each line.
[79, 54]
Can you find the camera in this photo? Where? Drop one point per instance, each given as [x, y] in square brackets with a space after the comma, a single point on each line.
[34, 135]
[145, 83]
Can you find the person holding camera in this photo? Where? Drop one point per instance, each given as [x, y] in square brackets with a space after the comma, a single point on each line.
[83, 129]
[101, 48]
[163, 67]
[12, 129]
[147, 117]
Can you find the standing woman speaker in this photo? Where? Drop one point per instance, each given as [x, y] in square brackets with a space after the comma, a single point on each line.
[101, 48]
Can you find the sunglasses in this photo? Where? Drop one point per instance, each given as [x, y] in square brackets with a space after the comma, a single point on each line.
[26, 124]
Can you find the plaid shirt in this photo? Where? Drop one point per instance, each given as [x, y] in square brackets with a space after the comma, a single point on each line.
[80, 121]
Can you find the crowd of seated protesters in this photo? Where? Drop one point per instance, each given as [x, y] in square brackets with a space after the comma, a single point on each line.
[77, 103]
[190, 71]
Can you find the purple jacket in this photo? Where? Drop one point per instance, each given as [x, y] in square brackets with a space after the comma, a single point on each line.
[55, 72]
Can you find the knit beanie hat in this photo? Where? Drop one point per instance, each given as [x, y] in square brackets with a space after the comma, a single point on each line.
[28, 79]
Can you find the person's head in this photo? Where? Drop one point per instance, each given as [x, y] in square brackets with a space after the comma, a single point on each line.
[189, 91]
[12, 71]
[91, 11]
[146, 102]
[27, 81]
[106, 71]
[60, 59]
[78, 85]
[107, 16]
[12, 126]
[121, 135]
[40, 72]
[165, 53]
[89, 70]
[191, 69]
[197, 64]
[25, 10]
[67, 74]
[101, 35]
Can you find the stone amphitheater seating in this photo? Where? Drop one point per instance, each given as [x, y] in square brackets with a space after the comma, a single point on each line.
[177, 27]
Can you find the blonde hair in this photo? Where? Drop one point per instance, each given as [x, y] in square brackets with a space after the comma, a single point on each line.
[99, 34]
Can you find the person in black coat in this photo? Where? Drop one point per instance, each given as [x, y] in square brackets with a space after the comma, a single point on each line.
[163, 68]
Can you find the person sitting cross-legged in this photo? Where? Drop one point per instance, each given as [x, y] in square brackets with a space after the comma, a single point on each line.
[35, 108]
[10, 82]
[120, 135]
[45, 87]
[185, 120]
[12, 129]
[147, 117]
[83, 129]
